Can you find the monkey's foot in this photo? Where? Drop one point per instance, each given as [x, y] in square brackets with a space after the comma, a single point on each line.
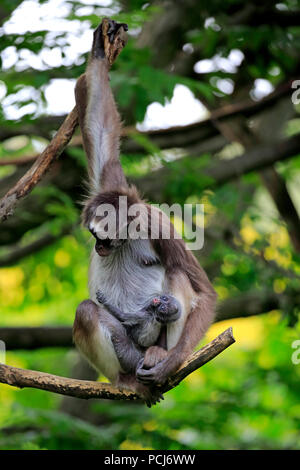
[150, 395]
[156, 376]
[153, 356]
[109, 40]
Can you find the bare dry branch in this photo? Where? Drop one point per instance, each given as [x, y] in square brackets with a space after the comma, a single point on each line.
[33, 176]
[22, 378]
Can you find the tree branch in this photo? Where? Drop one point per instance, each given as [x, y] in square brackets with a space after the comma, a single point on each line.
[244, 305]
[253, 15]
[33, 176]
[35, 337]
[285, 206]
[22, 378]
[19, 252]
[18, 161]
[177, 136]
[156, 183]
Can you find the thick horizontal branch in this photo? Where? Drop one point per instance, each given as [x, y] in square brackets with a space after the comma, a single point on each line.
[156, 184]
[18, 161]
[22, 378]
[151, 186]
[257, 302]
[43, 127]
[19, 252]
[36, 337]
[254, 15]
[243, 305]
[177, 136]
[66, 175]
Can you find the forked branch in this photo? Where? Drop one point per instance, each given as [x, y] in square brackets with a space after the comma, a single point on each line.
[22, 378]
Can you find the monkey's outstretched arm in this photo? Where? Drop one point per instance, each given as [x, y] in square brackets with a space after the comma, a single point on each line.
[98, 116]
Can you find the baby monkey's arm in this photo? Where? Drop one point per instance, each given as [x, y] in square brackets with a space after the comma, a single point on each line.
[128, 318]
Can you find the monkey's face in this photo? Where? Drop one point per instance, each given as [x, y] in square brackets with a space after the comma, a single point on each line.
[109, 216]
[166, 308]
[104, 247]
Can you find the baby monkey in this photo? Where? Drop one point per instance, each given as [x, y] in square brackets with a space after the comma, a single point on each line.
[145, 326]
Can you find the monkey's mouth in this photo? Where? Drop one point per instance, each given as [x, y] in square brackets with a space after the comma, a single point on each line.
[104, 247]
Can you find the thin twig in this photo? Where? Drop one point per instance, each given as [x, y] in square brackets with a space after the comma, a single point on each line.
[87, 389]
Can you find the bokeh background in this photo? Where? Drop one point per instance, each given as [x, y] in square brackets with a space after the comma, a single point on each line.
[208, 94]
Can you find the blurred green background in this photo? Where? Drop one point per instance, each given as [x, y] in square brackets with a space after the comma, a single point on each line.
[185, 61]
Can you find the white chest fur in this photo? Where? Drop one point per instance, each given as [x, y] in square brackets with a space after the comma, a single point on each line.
[123, 278]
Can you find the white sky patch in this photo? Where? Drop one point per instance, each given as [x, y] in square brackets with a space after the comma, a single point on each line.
[211, 23]
[2, 90]
[33, 16]
[60, 96]
[225, 85]
[9, 57]
[12, 104]
[183, 109]
[261, 89]
[217, 63]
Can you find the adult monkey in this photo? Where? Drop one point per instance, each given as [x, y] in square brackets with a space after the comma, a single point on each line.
[130, 272]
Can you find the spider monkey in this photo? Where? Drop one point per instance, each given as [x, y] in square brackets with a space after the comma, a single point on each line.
[130, 271]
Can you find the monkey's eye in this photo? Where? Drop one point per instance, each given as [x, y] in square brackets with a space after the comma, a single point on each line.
[164, 298]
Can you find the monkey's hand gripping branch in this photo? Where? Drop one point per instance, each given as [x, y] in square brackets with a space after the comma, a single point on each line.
[87, 389]
[113, 45]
